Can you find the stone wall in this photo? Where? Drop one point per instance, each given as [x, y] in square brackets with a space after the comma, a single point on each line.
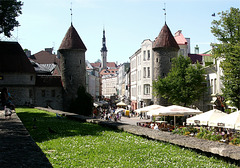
[33, 95]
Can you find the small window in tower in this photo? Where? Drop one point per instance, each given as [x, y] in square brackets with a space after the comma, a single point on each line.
[80, 62]
[31, 78]
[156, 59]
[170, 59]
[65, 62]
[70, 77]
[163, 74]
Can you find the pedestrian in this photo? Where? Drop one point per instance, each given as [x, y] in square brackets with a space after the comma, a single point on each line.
[141, 116]
[6, 99]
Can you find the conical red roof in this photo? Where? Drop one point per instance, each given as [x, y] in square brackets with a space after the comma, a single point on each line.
[72, 40]
[165, 39]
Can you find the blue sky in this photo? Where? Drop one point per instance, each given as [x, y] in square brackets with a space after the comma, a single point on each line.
[44, 23]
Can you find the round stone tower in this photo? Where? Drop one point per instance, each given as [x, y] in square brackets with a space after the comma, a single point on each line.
[72, 64]
[165, 48]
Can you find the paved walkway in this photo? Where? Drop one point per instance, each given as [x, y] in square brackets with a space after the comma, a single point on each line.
[17, 149]
[133, 120]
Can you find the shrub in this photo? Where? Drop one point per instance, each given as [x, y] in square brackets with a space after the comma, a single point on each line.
[83, 104]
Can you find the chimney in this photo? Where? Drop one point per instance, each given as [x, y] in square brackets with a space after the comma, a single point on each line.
[49, 50]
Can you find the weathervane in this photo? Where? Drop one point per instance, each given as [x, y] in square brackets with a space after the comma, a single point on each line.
[165, 12]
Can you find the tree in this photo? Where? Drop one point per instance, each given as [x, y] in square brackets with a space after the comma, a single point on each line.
[183, 84]
[83, 104]
[9, 10]
[227, 31]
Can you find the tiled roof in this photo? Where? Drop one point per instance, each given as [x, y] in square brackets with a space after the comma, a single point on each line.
[13, 58]
[165, 39]
[44, 57]
[108, 71]
[180, 39]
[49, 81]
[96, 65]
[109, 65]
[72, 40]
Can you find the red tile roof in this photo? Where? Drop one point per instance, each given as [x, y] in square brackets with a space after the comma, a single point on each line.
[165, 39]
[109, 64]
[44, 57]
[180, 39]
[72, 40]
[96, 65]
[13, 58]
[108, 71]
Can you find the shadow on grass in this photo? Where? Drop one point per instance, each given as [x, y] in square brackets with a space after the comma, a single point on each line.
[44, 126]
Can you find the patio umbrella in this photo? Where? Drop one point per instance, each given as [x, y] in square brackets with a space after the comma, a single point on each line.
[175, 110]
[230, 121]
[148, 108]
[120, 110]
[206, 117]
[121, 104]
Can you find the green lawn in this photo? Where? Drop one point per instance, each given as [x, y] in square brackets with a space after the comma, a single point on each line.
[76, 144]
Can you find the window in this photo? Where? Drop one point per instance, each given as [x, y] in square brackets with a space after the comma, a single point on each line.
[148, 54]
[148, 72]
[43, 93]
[211, 85]
[1, 77]
[80, 62]
[144, 72]
[31, 78]
[144, 55]
[146, 89]
[156, 59]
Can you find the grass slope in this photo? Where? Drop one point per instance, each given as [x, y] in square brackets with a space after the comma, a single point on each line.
[77, 144]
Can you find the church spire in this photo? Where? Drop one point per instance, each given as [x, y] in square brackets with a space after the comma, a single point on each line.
[104, 48]
[104, 51]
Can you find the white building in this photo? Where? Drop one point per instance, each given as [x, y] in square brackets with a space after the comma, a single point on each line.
[123, 81]
[92, 81]
[133, 78]
[109, 85]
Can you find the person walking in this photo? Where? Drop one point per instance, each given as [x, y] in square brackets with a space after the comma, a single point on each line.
[6, 99]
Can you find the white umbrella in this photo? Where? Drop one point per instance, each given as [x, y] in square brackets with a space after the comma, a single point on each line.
[175, 110]
[121, 104]
[230, 121]
[119, 110]
[206, 118]
[148, 108]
